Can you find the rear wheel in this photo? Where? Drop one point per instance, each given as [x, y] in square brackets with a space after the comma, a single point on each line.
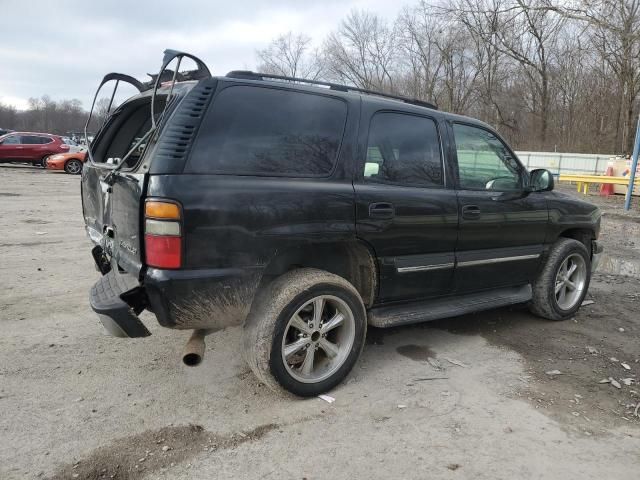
[43, 161]
[563, 283]
[73, 167]
[305, 332]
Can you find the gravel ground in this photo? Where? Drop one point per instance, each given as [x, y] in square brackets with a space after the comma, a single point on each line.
[468, 397]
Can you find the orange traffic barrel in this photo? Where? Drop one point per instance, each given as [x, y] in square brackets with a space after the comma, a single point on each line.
[606, 189]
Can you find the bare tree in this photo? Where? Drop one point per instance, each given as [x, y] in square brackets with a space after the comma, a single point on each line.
[615, 33]
[524, 31]
[290, 55]
[46, 115]
[362, 52]
[418, 53]
[459, 74]
[8, 115]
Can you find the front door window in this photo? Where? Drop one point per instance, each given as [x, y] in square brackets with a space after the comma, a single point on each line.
[484, 162]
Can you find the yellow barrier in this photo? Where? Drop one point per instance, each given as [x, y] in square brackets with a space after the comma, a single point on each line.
[584, 181]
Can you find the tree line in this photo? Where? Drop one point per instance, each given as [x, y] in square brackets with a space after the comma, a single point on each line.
[45, 115]
[548, 74]
[49, 116]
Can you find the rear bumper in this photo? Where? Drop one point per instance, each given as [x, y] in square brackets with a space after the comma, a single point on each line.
[210, 299]
[596, 254]
[117, 317]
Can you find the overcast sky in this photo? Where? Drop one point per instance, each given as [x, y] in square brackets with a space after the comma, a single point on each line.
[63, 48]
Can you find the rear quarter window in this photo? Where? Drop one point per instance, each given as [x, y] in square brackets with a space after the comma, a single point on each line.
[270, 132]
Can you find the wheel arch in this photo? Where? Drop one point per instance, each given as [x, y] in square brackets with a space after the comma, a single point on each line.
[583, 235]
[353, 261]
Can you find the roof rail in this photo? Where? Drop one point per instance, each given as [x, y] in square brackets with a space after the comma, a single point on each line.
[249, 75]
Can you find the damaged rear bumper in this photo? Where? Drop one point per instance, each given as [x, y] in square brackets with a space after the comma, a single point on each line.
[118, 317]
[210, 299]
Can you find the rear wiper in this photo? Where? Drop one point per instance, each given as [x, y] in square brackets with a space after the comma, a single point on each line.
[109, 177]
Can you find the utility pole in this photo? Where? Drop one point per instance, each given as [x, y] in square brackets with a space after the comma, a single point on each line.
[634, 165]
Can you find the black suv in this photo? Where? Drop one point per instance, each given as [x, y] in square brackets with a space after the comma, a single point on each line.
[305, 211]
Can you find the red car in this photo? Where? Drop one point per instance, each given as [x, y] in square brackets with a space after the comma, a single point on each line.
[28, 147]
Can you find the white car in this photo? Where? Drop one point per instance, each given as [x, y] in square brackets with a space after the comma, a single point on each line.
[74, 147]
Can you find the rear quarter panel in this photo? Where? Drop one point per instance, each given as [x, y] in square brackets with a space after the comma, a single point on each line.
[245, 220]
[232, 221]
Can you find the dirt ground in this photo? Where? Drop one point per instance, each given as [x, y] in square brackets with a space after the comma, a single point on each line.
[467, 397]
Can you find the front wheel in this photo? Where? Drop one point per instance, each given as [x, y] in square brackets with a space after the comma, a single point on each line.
[562, 284]
[305, 332]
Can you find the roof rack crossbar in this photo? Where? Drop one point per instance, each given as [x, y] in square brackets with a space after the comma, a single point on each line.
[249, 75]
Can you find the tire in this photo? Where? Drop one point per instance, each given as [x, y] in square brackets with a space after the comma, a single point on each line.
[73, 167]
[546, 302]
[270, 326]
[43, 162]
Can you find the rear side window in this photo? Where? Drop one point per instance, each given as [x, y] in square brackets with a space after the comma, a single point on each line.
[404, 150]
[264, 131]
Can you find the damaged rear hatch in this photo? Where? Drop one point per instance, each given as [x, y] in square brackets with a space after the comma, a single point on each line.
[114, 182]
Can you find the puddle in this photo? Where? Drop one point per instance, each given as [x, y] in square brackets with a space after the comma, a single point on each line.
[419, 353]
[619, 266]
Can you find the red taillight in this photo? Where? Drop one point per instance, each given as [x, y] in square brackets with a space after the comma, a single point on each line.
[64, 146]
[163, 252]
[163, 234]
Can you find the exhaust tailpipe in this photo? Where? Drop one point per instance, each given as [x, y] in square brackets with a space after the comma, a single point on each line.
[194, 349]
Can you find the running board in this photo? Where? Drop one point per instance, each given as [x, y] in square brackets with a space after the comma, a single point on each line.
[426, 310]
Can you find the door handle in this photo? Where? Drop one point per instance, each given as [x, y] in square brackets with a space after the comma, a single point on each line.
[381, 210]
[471, 212]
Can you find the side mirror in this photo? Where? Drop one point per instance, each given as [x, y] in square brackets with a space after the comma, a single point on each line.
[541, 180]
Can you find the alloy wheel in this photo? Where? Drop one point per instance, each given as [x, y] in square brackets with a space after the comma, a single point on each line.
[570, 281]
[74, 167]
[318, 339]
